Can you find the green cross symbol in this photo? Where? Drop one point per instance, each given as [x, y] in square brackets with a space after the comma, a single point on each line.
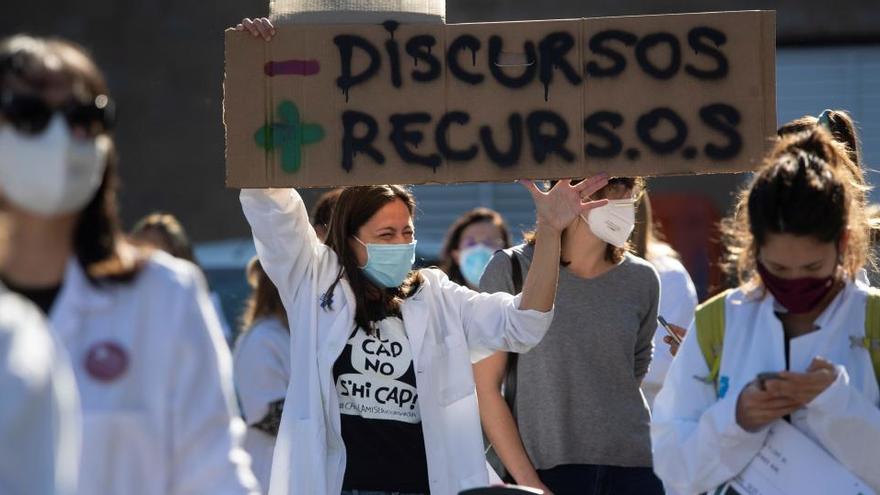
[289, 136]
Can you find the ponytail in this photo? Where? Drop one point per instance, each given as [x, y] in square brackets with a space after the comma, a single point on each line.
[806, 187]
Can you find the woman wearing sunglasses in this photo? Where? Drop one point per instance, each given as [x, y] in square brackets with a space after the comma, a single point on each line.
[151, 367]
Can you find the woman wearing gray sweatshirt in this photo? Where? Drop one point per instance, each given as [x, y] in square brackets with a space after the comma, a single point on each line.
[578, 423]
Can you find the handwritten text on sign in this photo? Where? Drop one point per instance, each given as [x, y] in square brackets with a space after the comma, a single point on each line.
[362, 104]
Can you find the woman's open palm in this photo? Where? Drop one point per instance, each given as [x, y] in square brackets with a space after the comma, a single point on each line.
[563, 203]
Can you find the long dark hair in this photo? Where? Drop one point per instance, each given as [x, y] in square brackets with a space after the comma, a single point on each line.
[97, 240]
[355, 206]
[804, 188]
[453, 238]
[264, 301]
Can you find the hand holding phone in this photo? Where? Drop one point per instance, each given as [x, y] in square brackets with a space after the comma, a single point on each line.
[669, 330]
[763, 378]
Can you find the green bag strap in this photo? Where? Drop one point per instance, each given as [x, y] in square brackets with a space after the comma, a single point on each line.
[709, 321]
[872, 329]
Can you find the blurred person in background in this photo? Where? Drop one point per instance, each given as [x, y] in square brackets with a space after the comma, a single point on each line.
[470, 243]
[151, 368]
[164, 231]
[678, 297]
[262, 369]
[40, 422]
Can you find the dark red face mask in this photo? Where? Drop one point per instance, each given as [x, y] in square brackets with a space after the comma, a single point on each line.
[797, 295]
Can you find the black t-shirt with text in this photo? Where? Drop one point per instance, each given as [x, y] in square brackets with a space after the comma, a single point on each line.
[381, 422]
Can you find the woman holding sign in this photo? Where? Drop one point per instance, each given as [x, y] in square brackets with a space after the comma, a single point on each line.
[382, 394]
[790, 342]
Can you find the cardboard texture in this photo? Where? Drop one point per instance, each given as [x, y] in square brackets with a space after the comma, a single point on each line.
[638, 95]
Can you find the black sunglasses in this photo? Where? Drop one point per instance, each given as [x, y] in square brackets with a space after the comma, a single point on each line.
[31, 114]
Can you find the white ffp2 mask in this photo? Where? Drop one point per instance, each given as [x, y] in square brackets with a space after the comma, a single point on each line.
[51, 173]
[614, 222]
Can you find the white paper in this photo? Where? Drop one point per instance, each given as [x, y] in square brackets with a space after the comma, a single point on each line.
[789, 464]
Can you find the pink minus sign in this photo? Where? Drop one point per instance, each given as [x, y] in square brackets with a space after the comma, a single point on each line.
[292, 68]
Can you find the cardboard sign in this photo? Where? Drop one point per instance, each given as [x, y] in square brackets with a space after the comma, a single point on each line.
[329, 105]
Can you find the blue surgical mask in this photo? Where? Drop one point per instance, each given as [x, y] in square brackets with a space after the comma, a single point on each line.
[472, 262]
[388, 264]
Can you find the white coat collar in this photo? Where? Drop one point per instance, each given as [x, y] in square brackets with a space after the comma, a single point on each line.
[77, 298]
[415, 317]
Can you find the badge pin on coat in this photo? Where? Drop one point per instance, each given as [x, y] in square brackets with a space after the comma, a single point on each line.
[106, 361]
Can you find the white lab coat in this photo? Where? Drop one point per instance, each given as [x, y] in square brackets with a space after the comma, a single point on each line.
[448, 327]
[261, 363]
[39, 407]
[697, 443]
[678, 300]
[169, 424]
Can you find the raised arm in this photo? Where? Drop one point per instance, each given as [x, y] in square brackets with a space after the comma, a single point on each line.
[501, 322]
[285, 240]
[556, 209]
[497, 418]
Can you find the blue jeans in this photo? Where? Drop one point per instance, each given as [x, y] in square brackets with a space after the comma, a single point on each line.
[371, 492]
[589, 479]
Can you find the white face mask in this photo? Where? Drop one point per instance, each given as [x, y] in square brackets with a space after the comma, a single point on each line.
[51, 173]
[614, 222]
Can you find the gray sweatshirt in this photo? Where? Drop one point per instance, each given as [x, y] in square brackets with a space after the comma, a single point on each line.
[578, 399]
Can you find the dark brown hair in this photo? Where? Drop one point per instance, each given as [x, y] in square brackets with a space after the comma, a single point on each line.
[355, 206]
[264, 301]
[453, 238]
[166, 227]
[323, 210]
[804, 188]
[613, 254]
[97, 240]
[842, 128]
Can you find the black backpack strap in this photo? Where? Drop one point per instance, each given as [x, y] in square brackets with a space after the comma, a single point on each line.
[510, 374]
[515, 272]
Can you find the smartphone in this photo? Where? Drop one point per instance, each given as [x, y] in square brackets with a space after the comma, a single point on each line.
[668, 329]
[763, 378]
